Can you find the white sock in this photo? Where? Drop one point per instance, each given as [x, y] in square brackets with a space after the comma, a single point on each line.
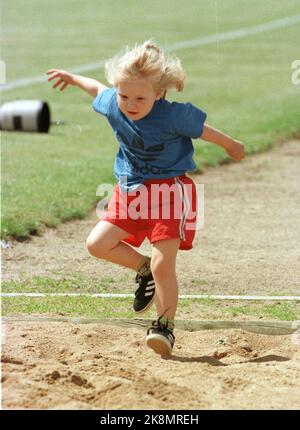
[145, 268]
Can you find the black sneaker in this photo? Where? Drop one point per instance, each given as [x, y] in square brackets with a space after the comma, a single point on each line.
[160, 338]
[144, 295]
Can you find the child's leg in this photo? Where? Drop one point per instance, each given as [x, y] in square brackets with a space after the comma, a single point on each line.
[160, 335]
[104, 242]
[163, 265]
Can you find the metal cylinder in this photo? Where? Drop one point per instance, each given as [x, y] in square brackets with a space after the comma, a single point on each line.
[25, 115]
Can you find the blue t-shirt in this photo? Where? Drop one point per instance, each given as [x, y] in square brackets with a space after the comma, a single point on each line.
[155, 147]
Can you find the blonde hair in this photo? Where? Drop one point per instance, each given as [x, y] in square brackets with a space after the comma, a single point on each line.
[146, 61]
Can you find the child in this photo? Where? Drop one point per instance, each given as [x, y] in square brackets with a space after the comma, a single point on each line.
[155, 149]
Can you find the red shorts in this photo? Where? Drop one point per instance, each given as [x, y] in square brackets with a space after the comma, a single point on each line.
[159, 209]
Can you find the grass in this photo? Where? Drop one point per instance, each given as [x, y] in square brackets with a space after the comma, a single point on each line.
[71, 306]
[279, 311]
[207, 308]
[78, 283]
[230, 309]
[201, 309]
[75, 284]
[244, 85]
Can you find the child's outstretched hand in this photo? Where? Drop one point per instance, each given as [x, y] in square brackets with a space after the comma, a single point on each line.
[236, 150]
[64, 78]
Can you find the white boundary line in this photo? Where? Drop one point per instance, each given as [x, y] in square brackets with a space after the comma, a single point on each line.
[183, 296]
[207, 40]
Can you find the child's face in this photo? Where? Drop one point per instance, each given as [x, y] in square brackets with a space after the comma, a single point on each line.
[136, 98]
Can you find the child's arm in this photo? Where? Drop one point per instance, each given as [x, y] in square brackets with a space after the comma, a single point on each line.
[233, 147]
[91, 86]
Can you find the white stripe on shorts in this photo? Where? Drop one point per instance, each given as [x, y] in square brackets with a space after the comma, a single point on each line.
[186, 207]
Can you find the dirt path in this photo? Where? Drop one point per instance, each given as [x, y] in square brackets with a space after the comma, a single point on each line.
[250, 244]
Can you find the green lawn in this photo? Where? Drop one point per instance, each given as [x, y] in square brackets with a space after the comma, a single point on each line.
[85, 306]
[244, 85]
[89, 306]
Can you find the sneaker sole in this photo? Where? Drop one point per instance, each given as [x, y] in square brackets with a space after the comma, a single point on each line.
[146, 308]
[159, 344]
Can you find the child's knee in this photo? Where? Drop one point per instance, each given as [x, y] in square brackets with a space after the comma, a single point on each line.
[90, 246]
[95, 246]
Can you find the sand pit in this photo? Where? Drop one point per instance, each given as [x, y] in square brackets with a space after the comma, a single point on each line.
[72, 366]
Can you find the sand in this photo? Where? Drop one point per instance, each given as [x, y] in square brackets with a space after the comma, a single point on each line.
[67, 366]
